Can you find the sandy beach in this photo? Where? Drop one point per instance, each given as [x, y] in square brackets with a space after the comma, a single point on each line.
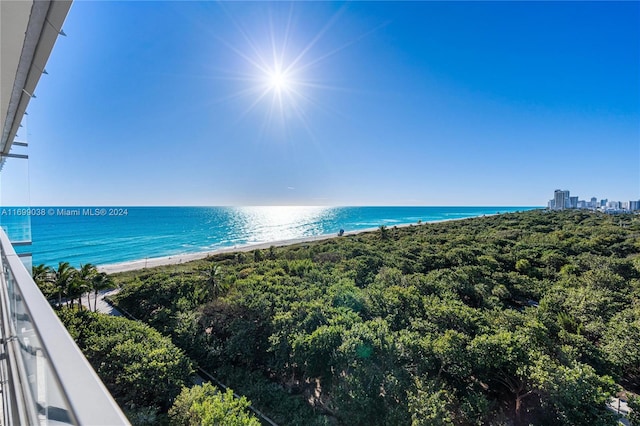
[152, 262]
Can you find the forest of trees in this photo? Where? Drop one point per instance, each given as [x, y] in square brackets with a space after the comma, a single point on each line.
[148, 376]
[142, 369]
[524, 318]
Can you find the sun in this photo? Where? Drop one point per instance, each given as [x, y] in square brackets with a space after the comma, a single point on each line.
[278, 67]
[279, 81]
[282, 68]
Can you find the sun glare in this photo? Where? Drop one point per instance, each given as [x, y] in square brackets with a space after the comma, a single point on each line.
[279, 81]
[280, 69]
[282, 64]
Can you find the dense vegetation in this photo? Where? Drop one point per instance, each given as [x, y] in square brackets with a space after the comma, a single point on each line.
[142, 369]
[148, 375]
[512, 319]
[205, 405]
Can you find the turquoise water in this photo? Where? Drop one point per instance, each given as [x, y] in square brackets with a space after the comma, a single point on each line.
[104, 236]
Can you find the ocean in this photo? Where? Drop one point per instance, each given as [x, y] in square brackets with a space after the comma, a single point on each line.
[103, 235]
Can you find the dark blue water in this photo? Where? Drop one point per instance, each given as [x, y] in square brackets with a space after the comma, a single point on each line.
[106, 236]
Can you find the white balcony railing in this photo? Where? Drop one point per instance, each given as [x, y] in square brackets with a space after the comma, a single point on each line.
[45, 378]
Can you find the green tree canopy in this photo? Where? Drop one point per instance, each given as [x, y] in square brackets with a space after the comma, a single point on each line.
[140, 367]
[205, 405]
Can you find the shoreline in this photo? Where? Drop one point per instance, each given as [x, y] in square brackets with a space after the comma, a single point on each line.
[177, 259]
[152, 262]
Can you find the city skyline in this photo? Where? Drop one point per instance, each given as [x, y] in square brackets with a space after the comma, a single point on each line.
[202, 103]
[562, 200]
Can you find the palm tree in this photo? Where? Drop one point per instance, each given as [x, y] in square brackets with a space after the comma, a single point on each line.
[384, 232]
[86, 274]
[63, 278]
[75, 290]
[212, 280]
[43, 277]
[40, 272]
[100, 281]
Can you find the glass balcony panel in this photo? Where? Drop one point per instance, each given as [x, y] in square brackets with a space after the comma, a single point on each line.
[46, 379]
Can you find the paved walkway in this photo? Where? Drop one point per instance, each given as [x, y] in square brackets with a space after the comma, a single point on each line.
[620, 407]
[102, 305]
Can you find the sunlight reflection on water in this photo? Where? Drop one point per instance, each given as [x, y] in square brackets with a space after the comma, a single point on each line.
[276, 223]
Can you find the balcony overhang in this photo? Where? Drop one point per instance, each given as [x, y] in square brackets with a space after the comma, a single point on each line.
[28, 31]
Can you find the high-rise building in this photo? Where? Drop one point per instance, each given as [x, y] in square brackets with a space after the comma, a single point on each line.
[561, 200]
[634, 206]
[594, 203]
[573, 202]
[613, 205]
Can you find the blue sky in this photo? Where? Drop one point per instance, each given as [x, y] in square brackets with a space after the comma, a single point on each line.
[385, 103]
